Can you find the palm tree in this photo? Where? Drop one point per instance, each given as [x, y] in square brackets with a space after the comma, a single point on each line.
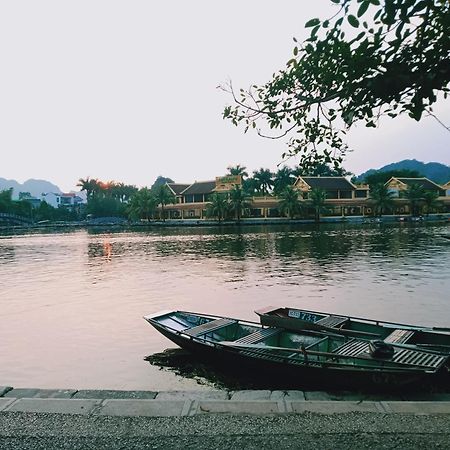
[164, 196]
[283, 178]
[415, 195]
[107, 188]
[142, 204]
[128, 191]
[218, 206]
[249, 186]
[317, 199]
[381, 198]
[238, 170]
[239, 202]
[289, 202]
[430, 199]
[90, 185]
[264, 180]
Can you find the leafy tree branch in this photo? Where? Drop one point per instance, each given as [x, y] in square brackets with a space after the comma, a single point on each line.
[371, 59]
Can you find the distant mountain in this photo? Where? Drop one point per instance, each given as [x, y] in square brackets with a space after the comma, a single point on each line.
[437, 172]
[34, 187]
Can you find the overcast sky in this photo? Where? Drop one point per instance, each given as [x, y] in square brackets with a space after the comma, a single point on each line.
[127, 90]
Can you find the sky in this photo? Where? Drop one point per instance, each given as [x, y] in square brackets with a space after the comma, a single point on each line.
[127, 90]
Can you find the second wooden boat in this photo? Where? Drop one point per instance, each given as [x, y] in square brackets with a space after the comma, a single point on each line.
[435, 339]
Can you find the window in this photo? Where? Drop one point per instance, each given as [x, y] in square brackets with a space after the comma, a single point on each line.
[345, 194]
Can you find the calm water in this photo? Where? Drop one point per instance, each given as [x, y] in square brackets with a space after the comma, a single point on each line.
[71, 303]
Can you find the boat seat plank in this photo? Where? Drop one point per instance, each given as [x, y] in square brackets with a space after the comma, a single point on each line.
[353, 347]
[401, 355]
[258, 336]
[208, 327]
[332, 321]
[418, 358]
[399, 336]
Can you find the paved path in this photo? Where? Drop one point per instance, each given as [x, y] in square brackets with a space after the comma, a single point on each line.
[83, 419]
[307, 431]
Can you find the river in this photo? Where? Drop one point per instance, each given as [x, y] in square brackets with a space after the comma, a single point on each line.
[71, 302]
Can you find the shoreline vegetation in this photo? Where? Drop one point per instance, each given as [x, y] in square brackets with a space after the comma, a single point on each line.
[289, 195]
[120, 223]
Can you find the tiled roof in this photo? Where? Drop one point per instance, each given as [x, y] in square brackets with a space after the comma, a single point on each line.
[424, 182]
[200, 187]
[178, 188]
[329, 183]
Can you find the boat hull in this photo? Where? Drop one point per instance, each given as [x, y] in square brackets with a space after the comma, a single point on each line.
[279, 374]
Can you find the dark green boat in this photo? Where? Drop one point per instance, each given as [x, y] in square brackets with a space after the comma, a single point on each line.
[410, 336]
[305, 357]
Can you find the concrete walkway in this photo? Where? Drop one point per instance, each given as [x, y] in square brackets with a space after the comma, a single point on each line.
[196, 403]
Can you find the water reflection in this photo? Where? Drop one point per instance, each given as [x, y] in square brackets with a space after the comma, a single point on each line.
[7, 253]
[81, 294]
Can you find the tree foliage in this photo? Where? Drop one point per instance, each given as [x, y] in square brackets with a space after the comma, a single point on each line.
[142, 205]
[239, 202]
[238, 170]
[381, 198]
[289, 203]
[218, 206]
[415, 196]
[263, 179]
[372, 58]
[163, 197]
[317, 200]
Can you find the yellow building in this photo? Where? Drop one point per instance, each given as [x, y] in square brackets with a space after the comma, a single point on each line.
[192, 199]
[343, 198]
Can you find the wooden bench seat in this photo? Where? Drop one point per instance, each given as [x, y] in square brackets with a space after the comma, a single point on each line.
[258, 336]
[399, 336]
[209, 327]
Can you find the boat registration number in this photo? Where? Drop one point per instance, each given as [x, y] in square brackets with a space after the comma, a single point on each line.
[308, 317]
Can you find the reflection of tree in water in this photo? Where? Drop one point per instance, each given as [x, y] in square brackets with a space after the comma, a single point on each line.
[324, 243]
[321, 246]
[7, 254]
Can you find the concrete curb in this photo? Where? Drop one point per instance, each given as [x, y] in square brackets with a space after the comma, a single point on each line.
[192, 403]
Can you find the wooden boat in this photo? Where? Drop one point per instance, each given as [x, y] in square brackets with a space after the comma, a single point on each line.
[305, 357]
[436, 339]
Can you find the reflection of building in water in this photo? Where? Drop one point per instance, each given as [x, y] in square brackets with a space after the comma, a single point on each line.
[107, 249]
[343, 198]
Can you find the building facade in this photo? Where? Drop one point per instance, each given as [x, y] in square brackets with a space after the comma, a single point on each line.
[343, 198]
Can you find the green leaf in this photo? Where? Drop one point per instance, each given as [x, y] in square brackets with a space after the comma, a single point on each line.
[295, 51]
[363, 8]
[315, 30]
[353, 21]
[312, 23]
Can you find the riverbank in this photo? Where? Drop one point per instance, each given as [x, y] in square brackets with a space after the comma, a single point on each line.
[194, 403]
[120, 223]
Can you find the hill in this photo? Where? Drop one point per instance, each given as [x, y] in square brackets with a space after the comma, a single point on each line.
[437, 172]
[34, 187]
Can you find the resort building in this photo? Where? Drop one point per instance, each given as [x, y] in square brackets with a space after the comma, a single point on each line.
[343, 198]
[446, 187]
[192, 199]
[398, 185]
